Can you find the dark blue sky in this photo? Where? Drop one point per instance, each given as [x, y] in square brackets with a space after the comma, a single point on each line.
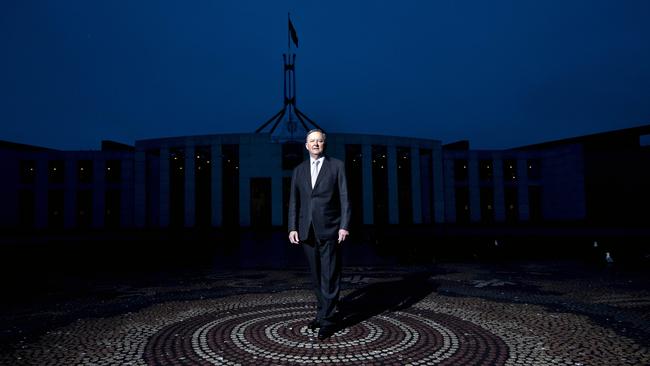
[499, 73]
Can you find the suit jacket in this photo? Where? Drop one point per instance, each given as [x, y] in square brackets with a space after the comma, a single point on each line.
[326, 206]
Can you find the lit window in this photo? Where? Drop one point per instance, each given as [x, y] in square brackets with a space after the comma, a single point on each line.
[460, 170]
[57, 171]
[485, 170]
[534, 169]
[113, 168]
[84, 175]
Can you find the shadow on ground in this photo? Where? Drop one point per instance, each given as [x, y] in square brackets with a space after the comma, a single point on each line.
[377, 298]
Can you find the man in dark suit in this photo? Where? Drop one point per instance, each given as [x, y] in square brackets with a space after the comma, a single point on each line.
[319, 216]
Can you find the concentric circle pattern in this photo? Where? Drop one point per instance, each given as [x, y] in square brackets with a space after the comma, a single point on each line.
[270, 329]
[279, 336]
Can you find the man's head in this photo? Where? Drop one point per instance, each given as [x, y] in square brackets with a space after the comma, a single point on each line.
[315, 143]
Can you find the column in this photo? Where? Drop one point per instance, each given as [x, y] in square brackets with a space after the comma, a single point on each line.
[438, 185]
[276, 199]
[366, 179]
[190, 185]
[69, 194]
[450, 190]
[99, 193]
[474, 190]
[499, 195]
[244, 200]
[128, 193]
[245, 169]
[522, 189]
[393, 205]
[140, 193]
[41, 193]
[9, 190]
[276, 173]
[164, 186]
[416, 191]
[216, 183]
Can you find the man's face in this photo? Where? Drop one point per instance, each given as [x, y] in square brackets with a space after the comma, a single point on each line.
[315, 144]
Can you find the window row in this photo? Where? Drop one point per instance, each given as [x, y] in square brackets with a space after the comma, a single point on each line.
[486, 170]
[85, 172]
[81, 217]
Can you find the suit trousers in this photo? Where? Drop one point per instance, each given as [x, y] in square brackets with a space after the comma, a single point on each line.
[324, 258]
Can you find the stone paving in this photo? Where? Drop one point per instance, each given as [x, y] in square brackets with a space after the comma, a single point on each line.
[451, 314]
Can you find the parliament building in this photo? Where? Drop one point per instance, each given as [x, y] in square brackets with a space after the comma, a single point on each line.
[242, 180]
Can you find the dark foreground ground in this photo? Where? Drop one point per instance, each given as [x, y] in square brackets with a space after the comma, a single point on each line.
[70, 301]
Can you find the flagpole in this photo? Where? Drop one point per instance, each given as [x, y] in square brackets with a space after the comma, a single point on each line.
[290, 94]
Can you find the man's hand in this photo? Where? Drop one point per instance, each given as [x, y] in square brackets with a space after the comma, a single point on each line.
[293, 237]
[343, 234]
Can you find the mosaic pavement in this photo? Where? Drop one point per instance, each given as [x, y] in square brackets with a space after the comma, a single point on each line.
[464, 316]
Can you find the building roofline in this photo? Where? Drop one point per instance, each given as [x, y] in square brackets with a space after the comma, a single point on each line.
[16, 146]
[595, 138]
[160, 140]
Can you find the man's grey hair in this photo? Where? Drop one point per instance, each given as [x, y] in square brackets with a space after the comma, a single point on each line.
[316, 130]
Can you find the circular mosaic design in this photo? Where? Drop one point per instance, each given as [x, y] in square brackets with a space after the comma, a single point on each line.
[267, 335]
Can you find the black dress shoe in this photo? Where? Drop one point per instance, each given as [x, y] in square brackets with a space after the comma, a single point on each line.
[326, 332]
[313, 325]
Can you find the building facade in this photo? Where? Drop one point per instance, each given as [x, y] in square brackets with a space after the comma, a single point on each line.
[242, 180]
[46, 188]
